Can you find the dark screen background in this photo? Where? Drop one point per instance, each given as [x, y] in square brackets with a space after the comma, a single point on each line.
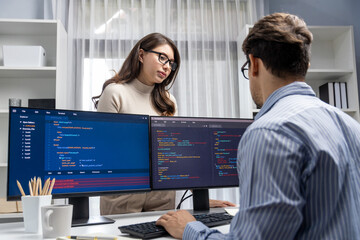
[195, 152]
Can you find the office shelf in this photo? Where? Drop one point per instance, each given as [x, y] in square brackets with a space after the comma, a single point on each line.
[49, 81]
[17, 72]
[28, 27]
[327, 74]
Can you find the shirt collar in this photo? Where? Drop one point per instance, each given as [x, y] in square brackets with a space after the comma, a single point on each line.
[295, 88]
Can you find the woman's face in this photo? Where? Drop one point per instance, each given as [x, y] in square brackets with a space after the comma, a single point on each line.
[152, 70]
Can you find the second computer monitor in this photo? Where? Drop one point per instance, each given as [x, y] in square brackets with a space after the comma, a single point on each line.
[195, 153]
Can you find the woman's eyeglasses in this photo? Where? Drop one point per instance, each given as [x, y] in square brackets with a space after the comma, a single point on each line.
[163, 59]
[245, 70]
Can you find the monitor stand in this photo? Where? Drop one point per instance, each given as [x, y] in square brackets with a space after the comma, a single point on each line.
[81, 213]
[200, 200]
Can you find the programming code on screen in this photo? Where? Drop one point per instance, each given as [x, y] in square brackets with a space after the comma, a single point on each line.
[195, 152]
[83, 151]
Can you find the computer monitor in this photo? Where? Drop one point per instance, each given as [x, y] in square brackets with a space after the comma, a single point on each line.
[88, 153]
[195, 153]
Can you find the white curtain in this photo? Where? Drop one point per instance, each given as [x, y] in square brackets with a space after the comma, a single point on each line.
[101, 33]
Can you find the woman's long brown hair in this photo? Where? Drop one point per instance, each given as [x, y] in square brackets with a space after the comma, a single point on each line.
[131, 70]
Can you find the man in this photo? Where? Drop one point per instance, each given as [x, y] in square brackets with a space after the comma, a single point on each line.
[298, 163]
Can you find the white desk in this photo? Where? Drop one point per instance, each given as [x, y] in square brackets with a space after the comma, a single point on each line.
[16, 230]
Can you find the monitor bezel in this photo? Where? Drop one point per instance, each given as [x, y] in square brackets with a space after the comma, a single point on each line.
[188, 118]
[78, 194]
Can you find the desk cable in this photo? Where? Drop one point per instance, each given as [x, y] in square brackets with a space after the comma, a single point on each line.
[183, 198]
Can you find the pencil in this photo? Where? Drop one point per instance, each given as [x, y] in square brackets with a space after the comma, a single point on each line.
[40, 186]
[30, 188]
[51, 187]
[20, 188]
[36, 186]
[46, 187]
[33, 186]
[92, 237]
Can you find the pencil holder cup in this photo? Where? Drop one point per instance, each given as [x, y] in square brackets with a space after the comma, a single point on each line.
[32, 211]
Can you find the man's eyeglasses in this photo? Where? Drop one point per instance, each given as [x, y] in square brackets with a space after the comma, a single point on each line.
[163, 59]
[245, 70]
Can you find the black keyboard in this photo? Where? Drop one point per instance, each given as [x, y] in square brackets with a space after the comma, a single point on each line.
[148, 230]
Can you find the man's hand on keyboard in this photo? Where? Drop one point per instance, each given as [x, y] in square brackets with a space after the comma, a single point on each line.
[175, 222]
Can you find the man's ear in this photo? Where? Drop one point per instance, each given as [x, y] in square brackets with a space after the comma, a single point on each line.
[254, 65]
[141, 55]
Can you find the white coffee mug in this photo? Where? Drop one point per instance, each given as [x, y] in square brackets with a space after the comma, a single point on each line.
[32, 211]
[56, 220]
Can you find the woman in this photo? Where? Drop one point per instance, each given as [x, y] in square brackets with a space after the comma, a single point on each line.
[141, 87]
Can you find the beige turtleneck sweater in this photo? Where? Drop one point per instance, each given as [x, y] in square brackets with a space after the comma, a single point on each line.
[135, 98]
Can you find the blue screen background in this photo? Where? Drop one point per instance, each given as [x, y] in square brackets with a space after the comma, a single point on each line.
[109, 151]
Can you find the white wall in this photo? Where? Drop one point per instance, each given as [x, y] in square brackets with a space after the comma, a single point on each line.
[23, 9]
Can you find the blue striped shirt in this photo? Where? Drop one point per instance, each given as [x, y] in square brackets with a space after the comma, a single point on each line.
[299, 175]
